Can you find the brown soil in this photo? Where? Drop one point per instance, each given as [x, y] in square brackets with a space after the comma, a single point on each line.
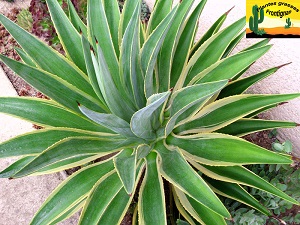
[7, 45]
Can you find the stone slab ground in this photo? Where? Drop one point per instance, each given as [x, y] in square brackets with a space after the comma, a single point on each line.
[21, 198]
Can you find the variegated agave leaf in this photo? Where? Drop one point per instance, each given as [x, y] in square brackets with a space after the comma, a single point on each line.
[160, 106]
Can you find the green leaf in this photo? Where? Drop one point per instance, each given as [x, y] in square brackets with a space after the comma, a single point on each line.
[241, 175]
[116, 102]
[73, 147]
[24, 146]
[236, 192]
[76, 161]
[70, 192]
[160, 11]
[55, 63]
[125, 164]
[167, 51]
[119, 206]
[53, 86]
[201, 213]
[150, 50]
[68, 213]
[111, 7]
[186, 98]
[185, 42]
[142, 151]
[109, 121]
[174, 168]
[182, 211]
[245, 126]
[224, 150]
[203, 57]
[75, 19]
[15, 167]
[233, 65]
[210, 32]
[98, 28]
[131, 74]
[68, 35]
[25, 58]
[37, 111]
[103, 192]
[151, 195]
[233, 44]
[144, 122]
[127, 12]
[91, 70]
[212, 117]
[241, 85]
[258, 44]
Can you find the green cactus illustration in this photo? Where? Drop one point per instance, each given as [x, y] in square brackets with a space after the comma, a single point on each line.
[289, 23]
[254, 20]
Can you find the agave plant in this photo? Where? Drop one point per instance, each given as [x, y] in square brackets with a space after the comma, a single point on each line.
[163, 109]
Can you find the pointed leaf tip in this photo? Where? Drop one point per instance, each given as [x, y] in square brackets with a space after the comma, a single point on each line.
[278, 67]
[229, 10]
[282, 103]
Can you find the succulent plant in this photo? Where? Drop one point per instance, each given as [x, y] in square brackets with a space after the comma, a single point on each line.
[288, 23]
[162, 109]
[254, 20]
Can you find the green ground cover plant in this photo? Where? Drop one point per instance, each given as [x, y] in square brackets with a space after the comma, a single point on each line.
[162, 109]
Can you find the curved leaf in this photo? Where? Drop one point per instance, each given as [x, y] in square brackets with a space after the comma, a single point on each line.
[125, 164]
[185, 42]
[98, 28]
[233, 65]
[241, 85]
[131, 74]
[201, 213]
[186, 179]
[76, 20]
[203, 57]
[114, 97]
[103, 192]
[37, 111]
[144, 122]
[23, 145]
[186, 98]
[167, 51]
[212, 117]
[243, 127]
[109, 121]
[71, 148]
[151, 195]
[211, 31]
[113, 18]
[15, 167]
[53, 86]
[224, 150]
[150, 50]
[70, 192]
[236, 192]
[160, 11]
[68, 35]
[241, 175]
[55, 63]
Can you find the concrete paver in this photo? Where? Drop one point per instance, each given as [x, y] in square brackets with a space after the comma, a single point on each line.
[21, 198]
